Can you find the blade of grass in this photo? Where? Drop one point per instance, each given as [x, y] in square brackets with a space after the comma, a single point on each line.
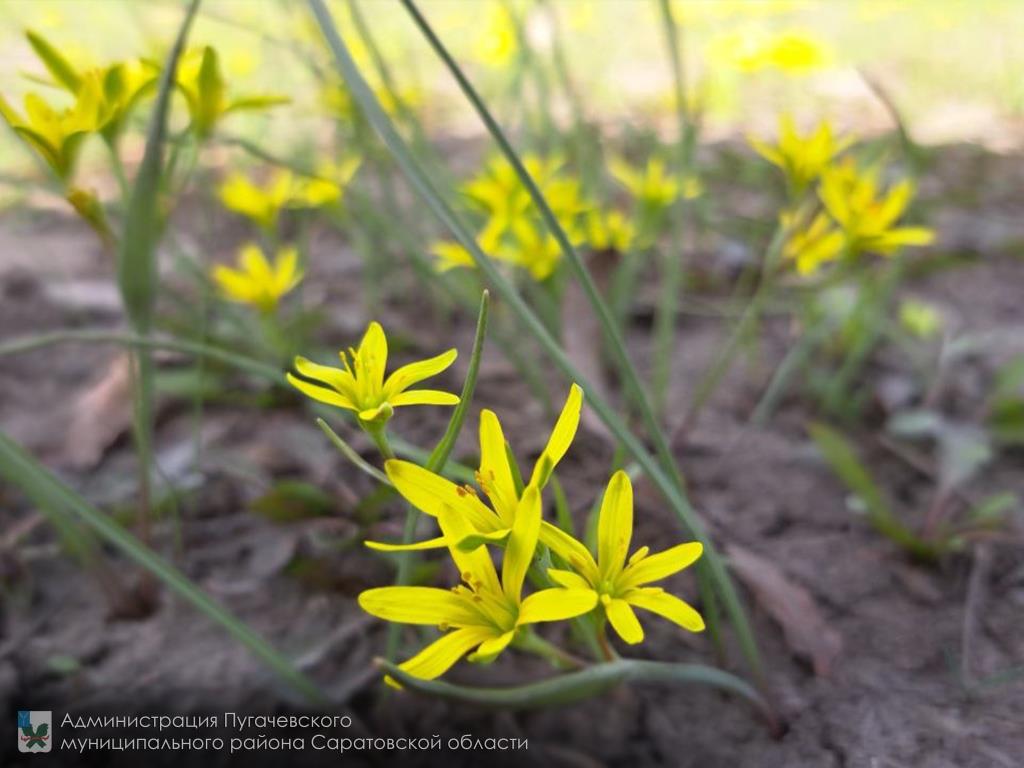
[137, 274]
[672, 262]
[49, 493]
[664, 477]
[843, 459]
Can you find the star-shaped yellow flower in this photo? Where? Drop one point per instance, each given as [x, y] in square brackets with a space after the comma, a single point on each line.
[361, 387]
[621, 585]
[484, 612]
[258, 282]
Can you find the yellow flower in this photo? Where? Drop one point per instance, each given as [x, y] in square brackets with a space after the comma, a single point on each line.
[451, 255]
[610, 231]
[121, 84]
[868, 217]
[812, 245]
[802, 158]
[56, 136]
[751, 49]
[484, 613]
[202, 83]
[284, 189]
[510, 232]
[431, 493]
[653, 186]
[618, 584]
[257, 282]
[361, 387]
[532, 249]
[496, 41]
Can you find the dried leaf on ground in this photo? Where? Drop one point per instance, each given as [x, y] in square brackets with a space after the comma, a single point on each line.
[791, 605]
[100, 414]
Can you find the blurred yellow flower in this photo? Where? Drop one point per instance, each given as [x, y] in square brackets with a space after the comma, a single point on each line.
[801, 157]
[653, 186]
[511, 232]
[853, 198]
[202, 83]
[56, 135]
[532, 248]
[810, 245]
[284, 189]
[751, 49]
[256, 281]
[450, 255]
[609, 231]
[496, 40]
[360, 385]
[121, 84]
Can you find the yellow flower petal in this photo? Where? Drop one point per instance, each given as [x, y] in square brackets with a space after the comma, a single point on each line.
[476, 566]
[659, 565]
[570, 550]
[373, 356]
[561, 437]
[624, 621]
[438, 657]
[556, 605]
[669, 606]
[337, 378]
[568, 579]
[521, 544]
[615, 525]
[495, 474]
[413, 373]
[429, 493]
[383, 546]
[419, 605]
[423, 397]
[489, 649]
[322, 394]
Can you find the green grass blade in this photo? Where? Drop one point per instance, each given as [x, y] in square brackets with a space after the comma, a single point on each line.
[664, 480]
[137, 274]
[843, 459]
[47, 492]
[352, 455]
[439, 456]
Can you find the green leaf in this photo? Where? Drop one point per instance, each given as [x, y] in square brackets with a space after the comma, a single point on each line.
[51, 495]
[566, 689]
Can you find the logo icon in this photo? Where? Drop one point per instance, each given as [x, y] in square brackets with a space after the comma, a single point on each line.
[34, 730]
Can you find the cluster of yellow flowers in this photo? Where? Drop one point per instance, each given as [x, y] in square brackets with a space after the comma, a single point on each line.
[486, 612]
[102, 99]
[852, 213]
[512, 234]
[255, 281]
